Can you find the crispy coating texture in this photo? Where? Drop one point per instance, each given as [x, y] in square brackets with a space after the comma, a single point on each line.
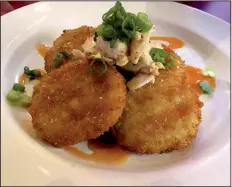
[172, 76]
[73, 38]
[71, 105]
[160, 117]
[69, 40]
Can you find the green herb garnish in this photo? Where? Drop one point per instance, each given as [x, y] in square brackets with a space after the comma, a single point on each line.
[32, 74]
[13, 96]
[206, 88]
[160, 55]
[122, 25]
[35, 73]
[26, 70]
[65, 54]
[98, 70]
[18, 87]
[128, 26]
[143, 22]
[59, 57]
[17, 98]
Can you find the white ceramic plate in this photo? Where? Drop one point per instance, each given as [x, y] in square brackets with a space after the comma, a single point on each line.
[27, 161]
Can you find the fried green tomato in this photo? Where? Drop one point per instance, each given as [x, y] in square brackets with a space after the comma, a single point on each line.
[69, 40]
[160, 117]
[73, 38]
[71, 105]
[158, 120]
[172, 76]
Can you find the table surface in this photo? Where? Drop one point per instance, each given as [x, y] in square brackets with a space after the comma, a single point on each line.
[219, 9]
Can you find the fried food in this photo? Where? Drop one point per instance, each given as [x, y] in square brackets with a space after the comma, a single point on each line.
[172, 76]
[160, 117]
[71, 104]
[69, 40]
[50, 60]
[73, 38]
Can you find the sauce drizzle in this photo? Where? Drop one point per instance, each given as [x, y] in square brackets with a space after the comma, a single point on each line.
[174, 42]
[102, 153]
[194, 76]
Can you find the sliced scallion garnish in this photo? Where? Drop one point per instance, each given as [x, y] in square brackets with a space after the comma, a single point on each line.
[142, 22]
[24, 100]
[13, 96]
[59, 56]
[206, 87]
[128, 26]
[99, 70]
[108, 32]
[58, 59]
[17, 98]
[160, 55]
[18, 87]
[26, 70]
[207, 71]
[65, 54]
[32, 74]
[35, 73]
[122, 25]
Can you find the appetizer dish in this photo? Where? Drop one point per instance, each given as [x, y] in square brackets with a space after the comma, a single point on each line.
[117, 85]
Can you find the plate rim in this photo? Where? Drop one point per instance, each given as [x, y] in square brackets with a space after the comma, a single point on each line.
[34, 4]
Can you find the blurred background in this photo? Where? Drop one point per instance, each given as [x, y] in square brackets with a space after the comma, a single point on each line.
[220, 9]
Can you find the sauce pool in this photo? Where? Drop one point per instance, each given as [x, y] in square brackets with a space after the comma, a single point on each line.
[194, 76]
[102, 153]
[174, 42]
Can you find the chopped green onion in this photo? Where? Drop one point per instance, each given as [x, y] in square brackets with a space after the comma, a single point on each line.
[32, 74]
[170, 61]
[124, 40]
[95, 70]
[35, 73]
[160, 55]
[128, 26]
[17, 98]
[58, 59]
[31, 77]
[142, 22]
[13, 96]
[159, 51]
[112, 42]
[108, 14]
[122, 25]
[99, 30]
[205, 86]
[24, 100]
[18, 87]
[65, 54]
[119, 15]
[116, 8]
[207, 71]
[26, 70]
[108, 32]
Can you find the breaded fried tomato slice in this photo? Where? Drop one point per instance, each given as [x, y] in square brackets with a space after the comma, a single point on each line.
[158, 120]
[71, 104]
[69, 40]
[160, 117]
